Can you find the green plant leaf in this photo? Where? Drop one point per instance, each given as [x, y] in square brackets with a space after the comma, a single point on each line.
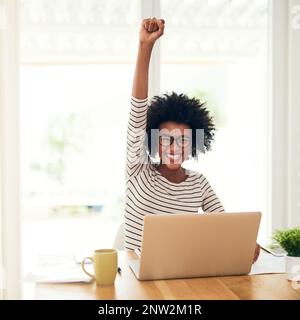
[289, 240]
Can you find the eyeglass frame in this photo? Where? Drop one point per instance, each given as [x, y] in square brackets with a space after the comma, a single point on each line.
[172, 139]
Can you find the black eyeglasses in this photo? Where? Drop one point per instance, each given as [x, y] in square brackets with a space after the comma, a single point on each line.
[181, 141]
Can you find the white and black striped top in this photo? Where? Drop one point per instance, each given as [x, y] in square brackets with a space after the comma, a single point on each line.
[148, 192]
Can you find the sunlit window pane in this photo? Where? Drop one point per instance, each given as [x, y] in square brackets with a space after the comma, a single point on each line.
[76, 77]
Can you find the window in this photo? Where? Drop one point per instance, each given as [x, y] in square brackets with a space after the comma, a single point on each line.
[76, 77]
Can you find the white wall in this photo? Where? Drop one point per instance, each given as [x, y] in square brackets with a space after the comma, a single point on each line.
[9, 152]
[294, 115]
[284, 124]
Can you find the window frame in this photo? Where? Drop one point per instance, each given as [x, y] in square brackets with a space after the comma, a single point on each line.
[278, 124]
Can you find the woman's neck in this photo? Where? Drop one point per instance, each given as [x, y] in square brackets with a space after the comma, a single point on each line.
[177, 175]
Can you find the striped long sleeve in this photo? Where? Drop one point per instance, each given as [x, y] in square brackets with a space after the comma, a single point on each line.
[135, 136]
[210, 201]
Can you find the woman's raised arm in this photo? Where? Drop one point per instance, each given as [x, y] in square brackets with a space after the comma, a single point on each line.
[151, 30]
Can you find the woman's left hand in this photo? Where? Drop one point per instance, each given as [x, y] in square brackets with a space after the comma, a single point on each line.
[256, 252]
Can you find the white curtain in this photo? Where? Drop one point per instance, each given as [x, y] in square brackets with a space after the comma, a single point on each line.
[9, 152]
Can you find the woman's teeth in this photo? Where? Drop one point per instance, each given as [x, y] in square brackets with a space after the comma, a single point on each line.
[173, 157]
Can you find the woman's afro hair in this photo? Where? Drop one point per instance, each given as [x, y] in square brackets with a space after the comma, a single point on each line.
[181, 109]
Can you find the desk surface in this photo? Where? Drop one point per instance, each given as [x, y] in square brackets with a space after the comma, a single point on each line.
[269, 286]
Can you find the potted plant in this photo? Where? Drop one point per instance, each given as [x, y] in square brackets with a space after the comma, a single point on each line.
[289, 240]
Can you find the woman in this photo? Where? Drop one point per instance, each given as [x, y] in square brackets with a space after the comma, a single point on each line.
[169, 125]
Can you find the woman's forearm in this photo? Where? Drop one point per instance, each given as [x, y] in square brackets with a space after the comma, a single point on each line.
[140, 81]
[151, 30]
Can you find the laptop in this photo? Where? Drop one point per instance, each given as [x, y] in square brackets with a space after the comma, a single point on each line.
[196, 245]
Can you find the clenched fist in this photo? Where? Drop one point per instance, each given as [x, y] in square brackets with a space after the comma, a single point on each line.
[151, 30]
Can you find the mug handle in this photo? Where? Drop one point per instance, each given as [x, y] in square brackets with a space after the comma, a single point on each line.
[83, 268]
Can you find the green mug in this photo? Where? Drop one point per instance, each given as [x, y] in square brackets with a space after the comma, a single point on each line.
[105, 263]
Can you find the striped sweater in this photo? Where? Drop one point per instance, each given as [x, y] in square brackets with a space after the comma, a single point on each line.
[149, 192]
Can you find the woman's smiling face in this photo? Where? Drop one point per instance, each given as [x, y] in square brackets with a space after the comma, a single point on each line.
[175, 143]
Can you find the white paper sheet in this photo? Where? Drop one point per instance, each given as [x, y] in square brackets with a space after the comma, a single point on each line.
[268, 263]
[58, 268]
[58, 276]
